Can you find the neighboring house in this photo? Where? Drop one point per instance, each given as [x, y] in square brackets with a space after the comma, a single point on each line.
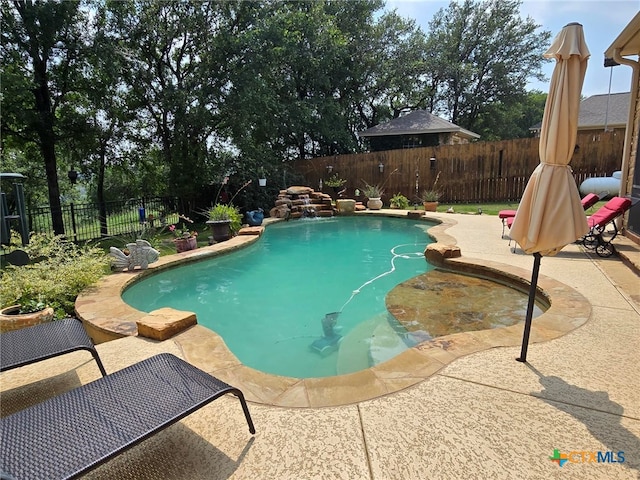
[416, 129]
[599, 113]
[628, 45]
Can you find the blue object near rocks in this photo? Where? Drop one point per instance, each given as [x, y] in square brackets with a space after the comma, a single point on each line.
[255, 217]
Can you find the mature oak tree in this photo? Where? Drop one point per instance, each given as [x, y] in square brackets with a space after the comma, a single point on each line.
[39, 47]
[481, 55]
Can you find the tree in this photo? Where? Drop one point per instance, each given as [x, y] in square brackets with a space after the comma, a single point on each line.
[312, 74]
[174, 57]
[284, 95]
[392, 62]
[499, 121]
[481, 56]
[40, 42]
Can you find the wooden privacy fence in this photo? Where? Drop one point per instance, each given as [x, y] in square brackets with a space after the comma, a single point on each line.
[469, 173]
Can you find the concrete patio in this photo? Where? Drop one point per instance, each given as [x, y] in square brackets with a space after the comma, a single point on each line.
[481, 415]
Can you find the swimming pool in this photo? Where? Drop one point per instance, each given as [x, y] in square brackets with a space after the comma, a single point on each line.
[268, 301]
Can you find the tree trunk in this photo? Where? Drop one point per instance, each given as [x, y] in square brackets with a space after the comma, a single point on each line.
[47, 141]
[102, 206]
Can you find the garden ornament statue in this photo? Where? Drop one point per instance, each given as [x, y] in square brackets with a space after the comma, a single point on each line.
[141, 254]
[255, 217]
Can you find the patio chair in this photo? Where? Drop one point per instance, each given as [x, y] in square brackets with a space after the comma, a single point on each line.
[598, 222]
[73, 433]
[39, 342]
[589, 200]
[504, 216]
[507, 216]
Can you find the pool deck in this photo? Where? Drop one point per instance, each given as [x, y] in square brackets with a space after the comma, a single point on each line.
[476, 413]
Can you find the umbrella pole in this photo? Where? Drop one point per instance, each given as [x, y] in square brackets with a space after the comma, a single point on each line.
[532, 301]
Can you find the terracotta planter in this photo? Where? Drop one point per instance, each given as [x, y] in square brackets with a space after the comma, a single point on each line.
[220, 229]
[10, 319]
[430, 206]
[374, 204]
[186, 244]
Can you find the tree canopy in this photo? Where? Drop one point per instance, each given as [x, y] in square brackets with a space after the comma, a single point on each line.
[148, 97]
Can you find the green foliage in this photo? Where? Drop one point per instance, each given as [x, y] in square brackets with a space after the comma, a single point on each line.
[335, 181]
[372, 191]
[399, 201]
[31, 305]
[221, 212]
[147, 107]
[183, 229]
[466, 45]
[59, 271]
[432, 194]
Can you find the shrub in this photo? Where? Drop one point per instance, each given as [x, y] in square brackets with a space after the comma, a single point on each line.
[335, 181]
[220, 212]
[59, 271]
[372, 191]
[432, 194]
[399, 201]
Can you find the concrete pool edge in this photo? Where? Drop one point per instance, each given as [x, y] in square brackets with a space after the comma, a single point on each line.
[104, 313]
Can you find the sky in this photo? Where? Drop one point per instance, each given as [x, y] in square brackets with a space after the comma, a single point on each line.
[602, 22]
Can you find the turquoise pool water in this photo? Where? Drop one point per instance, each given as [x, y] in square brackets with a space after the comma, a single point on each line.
[268, 301]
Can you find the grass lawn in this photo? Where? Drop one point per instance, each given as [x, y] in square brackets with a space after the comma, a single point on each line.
[494, 208]
[487, 208]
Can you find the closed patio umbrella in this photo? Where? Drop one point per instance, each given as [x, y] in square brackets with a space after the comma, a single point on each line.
[550, 214]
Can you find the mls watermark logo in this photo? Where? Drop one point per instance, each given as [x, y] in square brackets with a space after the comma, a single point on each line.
[582, 456]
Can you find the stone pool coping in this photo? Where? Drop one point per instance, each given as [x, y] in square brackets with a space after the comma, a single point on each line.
[107, 317]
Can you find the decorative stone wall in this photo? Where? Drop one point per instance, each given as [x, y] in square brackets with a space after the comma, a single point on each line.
[298, 201]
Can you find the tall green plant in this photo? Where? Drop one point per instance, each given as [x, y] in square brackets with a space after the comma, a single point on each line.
[221, 212]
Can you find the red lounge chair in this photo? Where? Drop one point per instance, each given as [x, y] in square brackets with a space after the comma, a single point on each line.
[507, 216]
[589, 200]
[605, 215]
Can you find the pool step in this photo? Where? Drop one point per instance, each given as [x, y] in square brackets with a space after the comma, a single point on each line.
[385, 344]
[353, 354]
[369, 343]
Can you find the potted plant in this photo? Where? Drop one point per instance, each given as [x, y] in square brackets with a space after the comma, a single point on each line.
[185, 238]
[399, 201]
[431, 196]
[26, 313]
[374, 195]
[335, 182]
[225, 221]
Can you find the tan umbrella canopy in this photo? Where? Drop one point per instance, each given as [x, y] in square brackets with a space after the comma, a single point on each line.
[550, 214]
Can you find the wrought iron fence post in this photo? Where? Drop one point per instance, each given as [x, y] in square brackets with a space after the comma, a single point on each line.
[73, 222]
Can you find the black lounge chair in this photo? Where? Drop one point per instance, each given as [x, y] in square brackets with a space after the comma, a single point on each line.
[73, 433]
[32, 344]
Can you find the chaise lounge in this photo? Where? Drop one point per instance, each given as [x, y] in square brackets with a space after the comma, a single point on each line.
[598, 222]
[47, 340]
[73, 433]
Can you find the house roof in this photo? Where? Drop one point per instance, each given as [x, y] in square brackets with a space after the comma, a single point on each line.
[416, 122]
[628, 42]
[600, 111]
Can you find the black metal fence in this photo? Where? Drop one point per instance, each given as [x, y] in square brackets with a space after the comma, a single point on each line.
[82, 222]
